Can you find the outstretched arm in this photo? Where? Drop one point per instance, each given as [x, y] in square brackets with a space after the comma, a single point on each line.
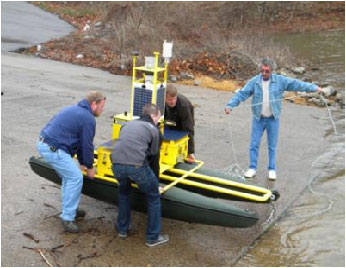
[292, 84]
[241, 96]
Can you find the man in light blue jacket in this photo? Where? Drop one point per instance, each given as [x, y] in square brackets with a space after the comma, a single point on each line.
[267, 90]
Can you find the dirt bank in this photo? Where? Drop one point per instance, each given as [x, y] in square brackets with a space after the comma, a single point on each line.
[35, 89]
[219, 39]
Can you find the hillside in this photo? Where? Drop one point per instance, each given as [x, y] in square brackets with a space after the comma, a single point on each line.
[221, 40]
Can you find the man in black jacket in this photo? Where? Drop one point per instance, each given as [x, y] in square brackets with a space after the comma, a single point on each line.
[180, 113]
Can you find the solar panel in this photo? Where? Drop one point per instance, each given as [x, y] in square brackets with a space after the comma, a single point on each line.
[143, 95]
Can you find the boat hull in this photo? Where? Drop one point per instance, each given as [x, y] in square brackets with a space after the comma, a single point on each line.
[176, 203]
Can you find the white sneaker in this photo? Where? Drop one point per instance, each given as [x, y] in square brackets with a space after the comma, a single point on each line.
[272, 175]
[250, 173]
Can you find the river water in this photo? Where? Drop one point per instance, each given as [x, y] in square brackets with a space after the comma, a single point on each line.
[312, 231]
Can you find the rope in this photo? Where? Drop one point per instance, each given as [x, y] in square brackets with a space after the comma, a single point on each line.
[234, 170]
[330, 114]
[271, 214]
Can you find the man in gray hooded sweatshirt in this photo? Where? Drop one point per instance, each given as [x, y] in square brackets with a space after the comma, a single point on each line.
[139, 141]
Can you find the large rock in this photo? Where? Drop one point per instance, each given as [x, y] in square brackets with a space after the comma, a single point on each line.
[186, 76]
[329, 91]
[317, 102]
[340, 98]
[313, 95]
[172, 78]
[298, 70]
[98, 24]
[283, 71]
[323, 84]
[307, 79]
[197, 82]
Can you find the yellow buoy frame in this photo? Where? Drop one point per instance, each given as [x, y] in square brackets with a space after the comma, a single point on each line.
[264, 198]
[266, 193]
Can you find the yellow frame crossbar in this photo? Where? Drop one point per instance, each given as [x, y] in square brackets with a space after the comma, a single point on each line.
[177, 180]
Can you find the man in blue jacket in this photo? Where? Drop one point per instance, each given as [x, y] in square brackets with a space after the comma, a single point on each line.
[68, 133]
[267, 90]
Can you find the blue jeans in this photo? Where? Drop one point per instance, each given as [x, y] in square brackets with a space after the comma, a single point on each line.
[147, 182]
[271, 125]
[71, 176]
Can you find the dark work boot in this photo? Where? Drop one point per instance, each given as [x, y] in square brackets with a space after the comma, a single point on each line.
[70, 226]
[80, 213]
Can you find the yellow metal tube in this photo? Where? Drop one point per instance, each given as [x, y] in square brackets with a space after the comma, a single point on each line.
[165, 73]
[155, 77]
[177, 180]
[107, 179]
[222, 181]
[219, 189]
[133, 84]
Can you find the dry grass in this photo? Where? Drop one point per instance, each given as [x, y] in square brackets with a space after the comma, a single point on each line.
[209, 82]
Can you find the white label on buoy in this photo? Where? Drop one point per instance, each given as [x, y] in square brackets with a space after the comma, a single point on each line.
[167, 49]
